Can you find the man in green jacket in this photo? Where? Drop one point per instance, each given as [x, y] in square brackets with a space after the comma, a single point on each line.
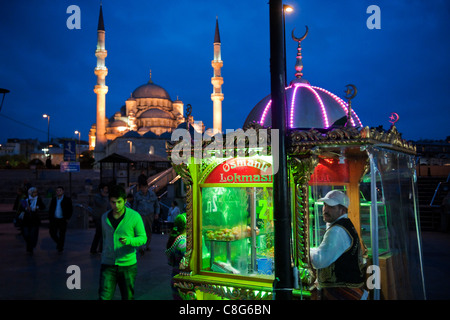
[123, 231]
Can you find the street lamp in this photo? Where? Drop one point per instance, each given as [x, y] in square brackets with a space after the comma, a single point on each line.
[283, 284]
[48, 133]
[288, 9]
[79, 142]
[4, 91]
[79, 136]
[131, 145]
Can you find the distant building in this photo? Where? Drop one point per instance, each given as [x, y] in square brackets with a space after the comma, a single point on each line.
[433, 152]
[24, 147]
[433, 157]
[32, 149]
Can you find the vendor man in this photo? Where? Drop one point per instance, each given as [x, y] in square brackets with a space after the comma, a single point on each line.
[338, 259]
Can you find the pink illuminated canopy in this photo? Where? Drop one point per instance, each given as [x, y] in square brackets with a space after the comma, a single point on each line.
[307, 107]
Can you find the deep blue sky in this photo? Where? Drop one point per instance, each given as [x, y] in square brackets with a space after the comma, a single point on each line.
[403, 67]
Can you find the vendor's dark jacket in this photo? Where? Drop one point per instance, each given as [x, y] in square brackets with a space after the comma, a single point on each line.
[347, 270]
[66, 207]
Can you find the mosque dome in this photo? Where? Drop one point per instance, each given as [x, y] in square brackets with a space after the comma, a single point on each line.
[150, 134]
[150, 90]
[118, 123]
[307, 106]
[156, 113]
[131, 134]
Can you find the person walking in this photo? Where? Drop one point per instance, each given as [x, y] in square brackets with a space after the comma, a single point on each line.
[100, 206]
[31, 220]
[59, 214]
[22, 194]
[147, 205]
[174, 211]
[130, 199]
[122, 231]
[176, 249]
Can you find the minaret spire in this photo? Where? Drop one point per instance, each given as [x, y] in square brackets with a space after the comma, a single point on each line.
[217, 34]
[100, 89]
[101, 25]
[217, 82]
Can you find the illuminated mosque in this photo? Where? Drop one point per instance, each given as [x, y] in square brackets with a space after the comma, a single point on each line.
[149, 112]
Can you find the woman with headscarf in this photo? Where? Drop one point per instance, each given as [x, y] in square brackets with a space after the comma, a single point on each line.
[30, 208]
[176, 248]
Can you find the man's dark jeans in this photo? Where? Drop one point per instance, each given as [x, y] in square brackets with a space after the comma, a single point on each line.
[111, 276]
[57, 229]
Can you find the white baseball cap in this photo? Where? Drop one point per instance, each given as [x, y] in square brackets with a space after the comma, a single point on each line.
[335, 197]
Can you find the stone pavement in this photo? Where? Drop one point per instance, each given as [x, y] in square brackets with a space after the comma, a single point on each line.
[436, 256]
[43, 276]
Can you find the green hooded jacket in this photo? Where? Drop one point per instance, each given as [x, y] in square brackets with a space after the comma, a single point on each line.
[131, 227]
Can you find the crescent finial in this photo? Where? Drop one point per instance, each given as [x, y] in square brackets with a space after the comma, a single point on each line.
[351, 91]
[299, 39]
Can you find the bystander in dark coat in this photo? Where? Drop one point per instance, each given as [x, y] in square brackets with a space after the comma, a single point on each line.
[60, 212]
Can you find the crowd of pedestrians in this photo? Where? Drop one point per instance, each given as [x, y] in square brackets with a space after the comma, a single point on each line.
[123, 226]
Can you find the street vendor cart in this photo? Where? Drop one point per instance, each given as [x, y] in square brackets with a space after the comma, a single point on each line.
[229, 185]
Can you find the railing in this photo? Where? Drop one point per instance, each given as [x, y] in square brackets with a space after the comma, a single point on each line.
[80, 218]
[157, 181]
[436, 192]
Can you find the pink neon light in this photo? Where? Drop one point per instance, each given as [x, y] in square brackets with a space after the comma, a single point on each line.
[291, 116]
[343, 106]
[322, 106]
[357, 118]
[266, 109]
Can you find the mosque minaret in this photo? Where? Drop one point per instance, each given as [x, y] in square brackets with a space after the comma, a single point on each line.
[100, 90]
[217, 82]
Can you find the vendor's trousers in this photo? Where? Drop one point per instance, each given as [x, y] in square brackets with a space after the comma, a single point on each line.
[112, 276]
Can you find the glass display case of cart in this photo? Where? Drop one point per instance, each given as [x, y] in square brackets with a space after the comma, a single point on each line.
[336, 174]
[237, 228]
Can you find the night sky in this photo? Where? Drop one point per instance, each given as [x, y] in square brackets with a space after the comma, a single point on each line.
[402, 67]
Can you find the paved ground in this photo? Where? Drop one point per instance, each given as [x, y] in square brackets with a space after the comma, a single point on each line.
[436, 251]
[43, 276]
